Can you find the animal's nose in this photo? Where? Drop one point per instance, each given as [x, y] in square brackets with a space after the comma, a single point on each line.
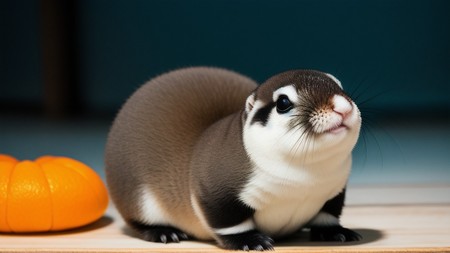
[342, 106]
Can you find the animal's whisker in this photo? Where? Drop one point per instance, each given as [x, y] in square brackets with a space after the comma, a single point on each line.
[303, 139]
[293, 149]
[368, 130]
[371, 98]
[354, 91]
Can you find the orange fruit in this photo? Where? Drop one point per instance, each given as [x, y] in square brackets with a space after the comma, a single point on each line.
[48, 194]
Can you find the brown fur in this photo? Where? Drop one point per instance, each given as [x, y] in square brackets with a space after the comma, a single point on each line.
[224, 143]
[152, 139]
[309, 82]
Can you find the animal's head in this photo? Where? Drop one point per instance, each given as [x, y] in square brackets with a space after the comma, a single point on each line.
[300, 115]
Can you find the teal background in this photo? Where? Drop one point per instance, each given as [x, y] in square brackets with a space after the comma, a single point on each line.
[20, 78]
[395, 53]
[393, 56]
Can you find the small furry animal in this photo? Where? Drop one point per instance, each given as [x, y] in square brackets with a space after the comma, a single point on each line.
[205, 153]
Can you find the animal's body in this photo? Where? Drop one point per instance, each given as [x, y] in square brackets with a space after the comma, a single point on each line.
[206, 153]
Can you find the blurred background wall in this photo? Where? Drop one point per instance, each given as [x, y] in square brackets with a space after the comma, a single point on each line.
[88, 56]
[78, 61]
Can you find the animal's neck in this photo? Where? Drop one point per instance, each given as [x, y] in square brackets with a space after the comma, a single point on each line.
[274, 179]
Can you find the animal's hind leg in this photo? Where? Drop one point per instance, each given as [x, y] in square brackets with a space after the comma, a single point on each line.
[158, 233]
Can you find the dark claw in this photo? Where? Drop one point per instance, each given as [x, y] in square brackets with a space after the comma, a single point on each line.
[268, 245]
[259, 248]
[174, 237]
[184, 236]
[340, 238]
[163, 238]
[334, 233]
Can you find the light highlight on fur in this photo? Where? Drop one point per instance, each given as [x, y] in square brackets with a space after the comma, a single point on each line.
[324, 219]
[152, 212]
[335, 80]
[245, 226]
[289, 91]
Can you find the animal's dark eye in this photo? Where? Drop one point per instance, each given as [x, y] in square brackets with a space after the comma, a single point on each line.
[284, 104]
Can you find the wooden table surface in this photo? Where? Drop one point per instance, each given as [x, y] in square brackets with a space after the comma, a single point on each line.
[421, 225]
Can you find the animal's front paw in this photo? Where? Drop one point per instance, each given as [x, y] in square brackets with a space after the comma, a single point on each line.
[154, 233]
[164, 235]
[334, 234]
[250, 240]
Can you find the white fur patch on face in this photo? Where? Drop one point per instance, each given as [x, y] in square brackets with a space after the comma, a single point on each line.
[324, 219]
[151, 210]
[331, 119]
[289, 91]
[335, 80]
[245, 226]
[275, 136]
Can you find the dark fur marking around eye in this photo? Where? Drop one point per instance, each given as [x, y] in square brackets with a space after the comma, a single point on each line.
[262, 115]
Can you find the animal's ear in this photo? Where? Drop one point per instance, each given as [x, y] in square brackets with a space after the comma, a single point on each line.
[250, 102]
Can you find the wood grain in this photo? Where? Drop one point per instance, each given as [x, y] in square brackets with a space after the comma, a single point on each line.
[385, 228]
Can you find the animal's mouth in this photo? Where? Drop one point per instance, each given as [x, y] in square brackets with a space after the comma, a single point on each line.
[337, 128]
